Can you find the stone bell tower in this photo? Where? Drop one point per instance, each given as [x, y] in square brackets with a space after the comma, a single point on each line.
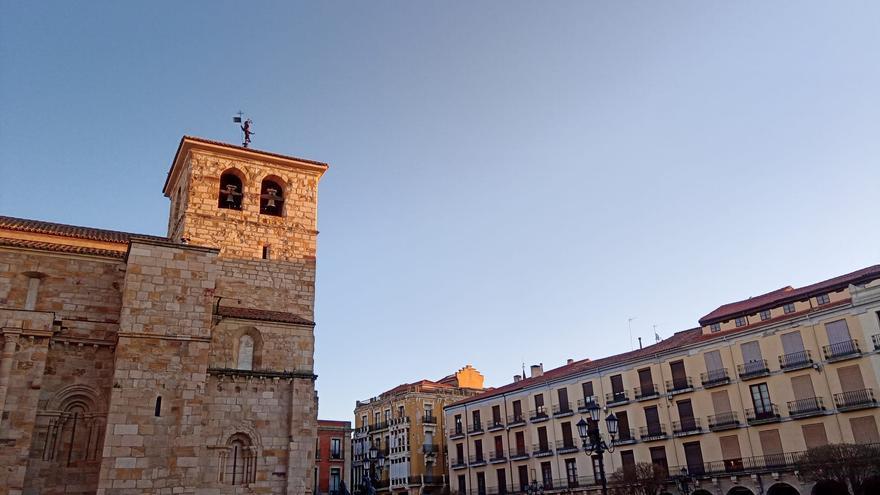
[214, 372]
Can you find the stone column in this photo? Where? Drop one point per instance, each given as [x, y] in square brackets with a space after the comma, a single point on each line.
[10, 339]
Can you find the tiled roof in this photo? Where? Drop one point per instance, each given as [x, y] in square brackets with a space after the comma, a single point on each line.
[60, 248]
[63, 230]
[788, 294]
[263, 315]
[679, 339]
[234, 147]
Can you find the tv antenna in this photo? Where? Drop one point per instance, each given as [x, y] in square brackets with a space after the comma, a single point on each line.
[245, 125]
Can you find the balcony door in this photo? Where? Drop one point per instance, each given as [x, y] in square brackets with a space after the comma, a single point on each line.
[838, 332]
[804, 395]
[617, 386]
[520, 442]
[567, 439]
[499, 447]
[792, 343]
[751, 352]
[517, 410]
[761, 400]
[501, 477]
[624, 431]
[646, 381]
[679, 375]
[563, 400]
[686, 415]
[652, 419]
[771, 445]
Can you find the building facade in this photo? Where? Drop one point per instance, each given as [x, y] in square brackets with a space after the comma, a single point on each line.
[405, 425]
[333, 457]
[733, 401]
[181, 364]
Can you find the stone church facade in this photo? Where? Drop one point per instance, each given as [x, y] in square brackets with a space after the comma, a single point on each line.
[137, 364]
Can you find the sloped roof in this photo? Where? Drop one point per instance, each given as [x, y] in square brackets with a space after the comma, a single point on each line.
[61, 248]
[679, 339]
[263, 315]
[788, 294]
[74, 231]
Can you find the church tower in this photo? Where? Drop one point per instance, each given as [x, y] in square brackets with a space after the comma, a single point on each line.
[214, 371]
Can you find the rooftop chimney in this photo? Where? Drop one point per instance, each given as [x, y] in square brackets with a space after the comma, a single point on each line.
[517, 378]
[569, 361]
[536, 370]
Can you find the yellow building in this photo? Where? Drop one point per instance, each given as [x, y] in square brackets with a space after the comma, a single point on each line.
[405, 425]
[733, 401]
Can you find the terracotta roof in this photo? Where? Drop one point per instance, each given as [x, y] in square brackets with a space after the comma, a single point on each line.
[263, 315]
[234, 147]
[60, 248]
[679, 339]
[334, 422]
[64, 230]
[788, 294]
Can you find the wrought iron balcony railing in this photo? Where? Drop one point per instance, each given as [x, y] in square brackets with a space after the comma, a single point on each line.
[515, 420]
[855, 399]
[723, 421]
[538, 414]
[715, 378]
[767, 414]
[752, 369]
[429, 419]
[653, 432]
[645, 393]
[566, 446]
[495, 424]
[806, 407]
[795, 361]
[616, 398]
[475, 429]
[841, 350]
[542, 449]
[680, 385]
[625, 436]
[686, 426]
[563, 409]
[585, 404]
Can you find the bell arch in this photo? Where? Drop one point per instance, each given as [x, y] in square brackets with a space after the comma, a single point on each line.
[272, 196]
[231, 193]
[248, 348]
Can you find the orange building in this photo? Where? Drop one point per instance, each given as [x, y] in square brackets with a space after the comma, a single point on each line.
[332, 457]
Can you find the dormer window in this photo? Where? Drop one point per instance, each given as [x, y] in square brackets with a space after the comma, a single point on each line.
[788, 308]
[271, 198]
[715, 327]
[231, 191]
[823, 299]
[741, 321]
[765, 315]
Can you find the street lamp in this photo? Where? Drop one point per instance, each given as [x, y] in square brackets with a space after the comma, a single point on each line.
[592, 438]
[684, 481]
[373, 461]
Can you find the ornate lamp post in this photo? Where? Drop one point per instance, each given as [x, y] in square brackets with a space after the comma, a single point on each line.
[533, 488]
[684, 481]
[593, 442]
[374, 460]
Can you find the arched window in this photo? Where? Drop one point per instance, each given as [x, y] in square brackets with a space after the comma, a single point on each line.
[231, 191]
[271, 197]
[240, 465]
[245, 352]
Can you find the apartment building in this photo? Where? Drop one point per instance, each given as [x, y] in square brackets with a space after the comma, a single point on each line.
[734, 401]
[333, 457]
[405, 424]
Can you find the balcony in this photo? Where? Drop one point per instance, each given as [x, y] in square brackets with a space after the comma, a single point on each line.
[515, 420]
[430, 448]
[625, 436]
[847, 349]
[680, 386]
[458, 463]
[646, 393]
[795, 361]
[518, 454]
[495, 424]
[433, 479]
[562, 410]
[715, 378]
[542, 450]
[477, 460]
[584, 405]
[855, 399]
[723, 421]
[497, 456]
[876, 340]
[476, 429]
[616, 398]
[429, 419]
[687, 426]
[381, 425]
[753, 369]
[538, 415]
[456, 432]
[804, 408]
[766, 415]
[566, 447]
[653, 432]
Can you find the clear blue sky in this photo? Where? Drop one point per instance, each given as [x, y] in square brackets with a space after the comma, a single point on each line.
[509, 181]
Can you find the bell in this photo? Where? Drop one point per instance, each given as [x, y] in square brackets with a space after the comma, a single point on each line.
[230, 194]
[271, 192]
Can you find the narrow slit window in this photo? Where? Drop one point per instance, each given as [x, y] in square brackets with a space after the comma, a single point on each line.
[266, 251]
[158, 411]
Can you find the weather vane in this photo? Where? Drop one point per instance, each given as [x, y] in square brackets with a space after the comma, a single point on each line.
[245, 128]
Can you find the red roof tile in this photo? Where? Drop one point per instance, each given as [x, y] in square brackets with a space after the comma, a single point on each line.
[788, 294]
[679, 339]
[263, 315]
[64, 230]
[60, 248]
